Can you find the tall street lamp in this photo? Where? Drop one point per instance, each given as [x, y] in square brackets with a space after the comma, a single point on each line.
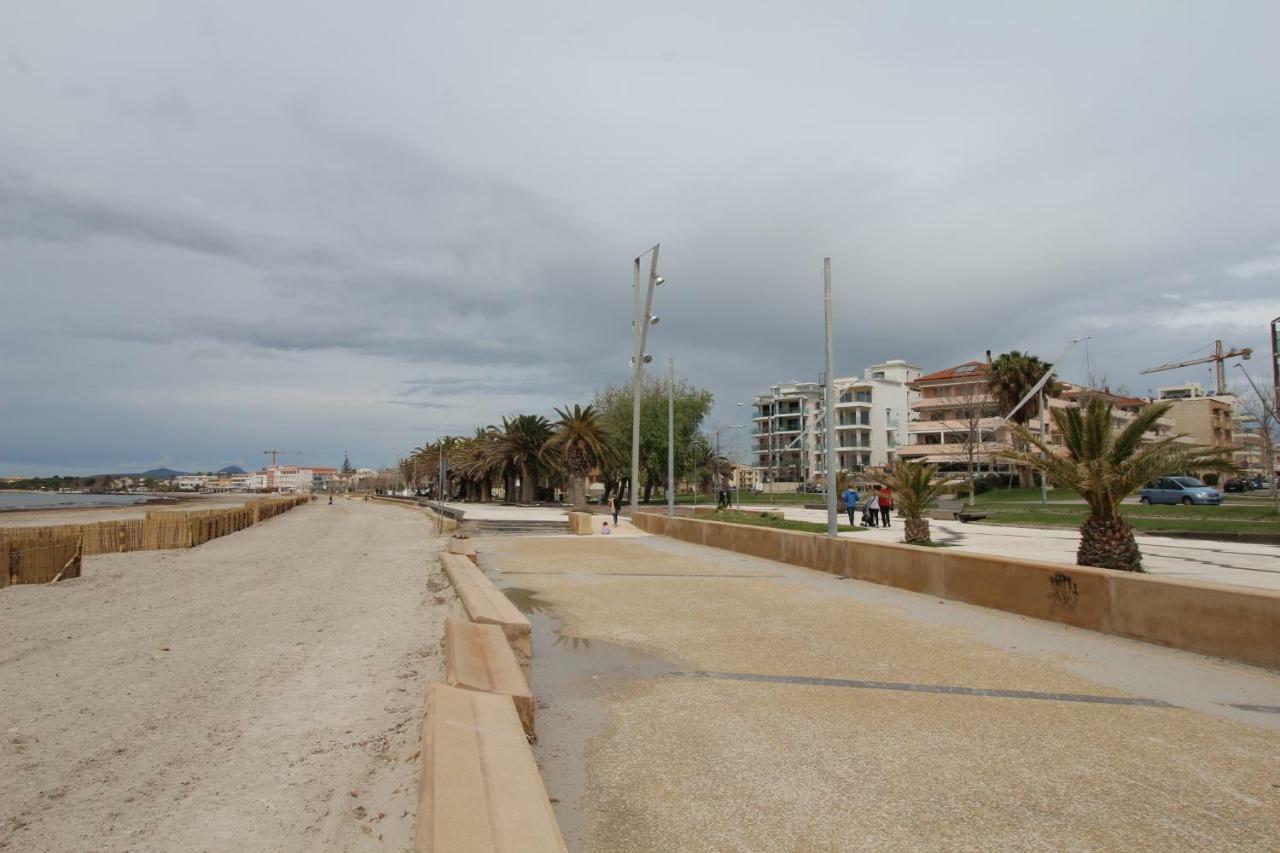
[640, 328]
[719, 484]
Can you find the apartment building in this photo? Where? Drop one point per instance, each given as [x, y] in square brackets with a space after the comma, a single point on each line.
[955, 402]
[1215, 420]
[1209, 419]
[872, 413]
[782, 428]
[951, 405]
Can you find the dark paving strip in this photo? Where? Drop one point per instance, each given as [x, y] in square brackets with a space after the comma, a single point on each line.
[648, 574]
[1262, 709]
[929, 688]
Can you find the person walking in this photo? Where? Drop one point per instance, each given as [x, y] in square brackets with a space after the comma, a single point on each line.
[613, 508]
[850, 498]
[886, 505]
[871, 513]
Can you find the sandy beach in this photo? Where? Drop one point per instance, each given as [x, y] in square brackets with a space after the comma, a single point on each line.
[260, 692]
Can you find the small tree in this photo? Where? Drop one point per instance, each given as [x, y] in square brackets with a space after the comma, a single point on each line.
[1105, 466]
[971, 407]
[1257, 404]
[916, 485]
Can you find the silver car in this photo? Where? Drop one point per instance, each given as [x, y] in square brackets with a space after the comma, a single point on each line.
[1180, 490]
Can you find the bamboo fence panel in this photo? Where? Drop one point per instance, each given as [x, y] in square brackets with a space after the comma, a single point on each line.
[37, 554]
[42, 563]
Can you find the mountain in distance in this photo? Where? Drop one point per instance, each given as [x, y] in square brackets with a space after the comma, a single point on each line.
[161, 473]
[232, 469]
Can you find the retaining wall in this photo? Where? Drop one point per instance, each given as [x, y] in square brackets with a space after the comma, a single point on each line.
[1231, 622]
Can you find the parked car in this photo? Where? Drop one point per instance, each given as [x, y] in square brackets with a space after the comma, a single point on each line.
[1238, 484]
[1180, 490]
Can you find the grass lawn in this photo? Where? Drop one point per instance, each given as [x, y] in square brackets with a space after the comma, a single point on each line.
[781, 498]
[1151, 519]
[777, 523]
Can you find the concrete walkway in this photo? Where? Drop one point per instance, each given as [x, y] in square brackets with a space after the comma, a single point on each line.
[695, 699]
[1236, 563]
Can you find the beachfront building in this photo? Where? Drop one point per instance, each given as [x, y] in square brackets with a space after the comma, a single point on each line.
[872, 414]
[872, 417]
[782, 434]
[955, 416]
[288, 478]
[192, 482]
[1215, 420]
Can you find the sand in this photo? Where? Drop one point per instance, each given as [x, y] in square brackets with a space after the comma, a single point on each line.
[261, 692]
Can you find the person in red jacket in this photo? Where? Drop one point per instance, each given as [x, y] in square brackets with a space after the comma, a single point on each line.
[886, 505]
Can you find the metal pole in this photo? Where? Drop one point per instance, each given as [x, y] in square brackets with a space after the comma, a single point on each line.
[641, 328]
[1044, 481]
[830, 431]
[671, 436]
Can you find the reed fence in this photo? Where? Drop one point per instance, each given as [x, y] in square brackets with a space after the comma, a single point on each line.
[41, 554]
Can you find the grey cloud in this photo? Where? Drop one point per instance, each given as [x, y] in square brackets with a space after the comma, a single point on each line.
[268, 238]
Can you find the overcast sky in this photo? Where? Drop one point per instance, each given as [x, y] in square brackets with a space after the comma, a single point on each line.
[232, 226]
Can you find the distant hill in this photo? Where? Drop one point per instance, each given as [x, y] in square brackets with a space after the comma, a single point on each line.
[161, 473]
[232, 469]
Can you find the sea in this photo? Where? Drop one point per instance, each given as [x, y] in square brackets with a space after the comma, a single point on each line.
[61, 500]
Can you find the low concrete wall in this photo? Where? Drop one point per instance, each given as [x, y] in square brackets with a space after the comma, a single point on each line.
[1236, 623]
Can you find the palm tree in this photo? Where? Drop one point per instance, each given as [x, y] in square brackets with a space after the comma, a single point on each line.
[580, 442]
[519, 448]
[1009, 378]
[915, 486]
[1105, 466]
[475, 462]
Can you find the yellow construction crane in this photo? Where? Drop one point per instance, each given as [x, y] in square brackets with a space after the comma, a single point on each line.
[274, 453]
[1218, 357]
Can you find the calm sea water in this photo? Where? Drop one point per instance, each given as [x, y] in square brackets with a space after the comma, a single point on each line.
[53, 500]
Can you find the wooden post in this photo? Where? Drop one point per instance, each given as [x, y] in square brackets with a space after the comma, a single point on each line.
[15, 554]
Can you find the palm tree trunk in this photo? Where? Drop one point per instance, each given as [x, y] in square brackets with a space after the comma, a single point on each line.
[916, 530]
[526, 486]
[1108, 543]
[578, 492]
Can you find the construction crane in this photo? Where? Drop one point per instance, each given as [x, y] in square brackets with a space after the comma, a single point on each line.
[275, 453]
[1219, 357]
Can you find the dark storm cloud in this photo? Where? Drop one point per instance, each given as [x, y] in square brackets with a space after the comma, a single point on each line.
[307, 229]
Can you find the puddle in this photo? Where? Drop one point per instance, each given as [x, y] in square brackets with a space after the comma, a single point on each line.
[569, 677]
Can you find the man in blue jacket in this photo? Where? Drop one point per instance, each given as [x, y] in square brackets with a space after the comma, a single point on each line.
[850, 498]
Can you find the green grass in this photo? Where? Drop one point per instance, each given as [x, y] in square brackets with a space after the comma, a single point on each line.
[1153, 519]
[753, 498]
[776, 523]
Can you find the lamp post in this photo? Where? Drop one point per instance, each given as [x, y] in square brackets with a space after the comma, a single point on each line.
[717, 457]
[671, 436]
[640, 328]
[829, 434]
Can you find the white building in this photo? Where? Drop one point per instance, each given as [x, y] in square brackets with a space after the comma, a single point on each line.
[872, 414]
[289, 478]
[192, 482]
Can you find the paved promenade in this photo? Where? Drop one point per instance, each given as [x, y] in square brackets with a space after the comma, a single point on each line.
[1241, 564]
[695, 699]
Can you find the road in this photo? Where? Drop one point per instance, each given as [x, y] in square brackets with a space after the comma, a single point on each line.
[260, 692]
[694, 699]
